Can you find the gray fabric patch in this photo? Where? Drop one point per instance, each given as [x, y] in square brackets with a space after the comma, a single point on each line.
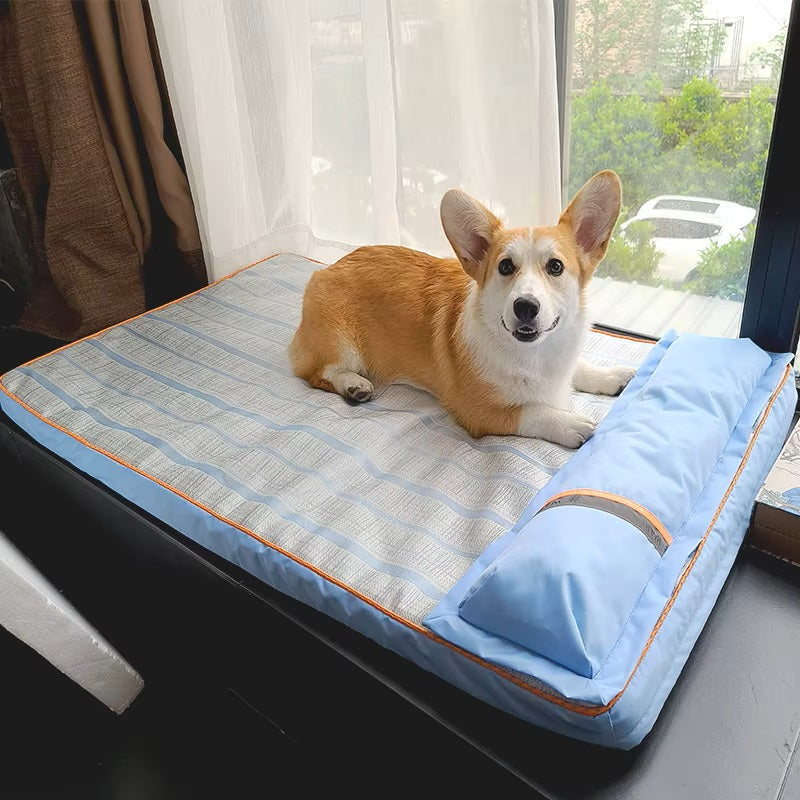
[618, 509]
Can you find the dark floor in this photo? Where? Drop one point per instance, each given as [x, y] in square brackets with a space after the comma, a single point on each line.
[179, 739]
[729, 731]
[175, 741]
[18, 346]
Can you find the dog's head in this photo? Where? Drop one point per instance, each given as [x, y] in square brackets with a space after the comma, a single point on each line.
[531, 280]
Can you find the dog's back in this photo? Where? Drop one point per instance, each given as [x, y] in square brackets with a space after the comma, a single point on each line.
[381, 312]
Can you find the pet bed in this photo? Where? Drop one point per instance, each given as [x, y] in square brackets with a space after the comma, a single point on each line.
[387, 516]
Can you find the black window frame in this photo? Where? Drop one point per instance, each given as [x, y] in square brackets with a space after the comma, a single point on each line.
[771, 310]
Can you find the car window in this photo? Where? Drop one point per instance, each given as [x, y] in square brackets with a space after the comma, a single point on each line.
[682, 229]
[684, 204]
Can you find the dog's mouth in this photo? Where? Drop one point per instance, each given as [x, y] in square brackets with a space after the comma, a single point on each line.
[525, 333]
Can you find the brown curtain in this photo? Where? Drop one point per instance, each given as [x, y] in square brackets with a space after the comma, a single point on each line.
[87, 117]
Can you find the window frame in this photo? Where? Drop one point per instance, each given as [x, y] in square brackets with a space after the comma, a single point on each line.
[771, 309]
[772, 298]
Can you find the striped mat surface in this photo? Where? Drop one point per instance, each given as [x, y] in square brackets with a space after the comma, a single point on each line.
[391, 498]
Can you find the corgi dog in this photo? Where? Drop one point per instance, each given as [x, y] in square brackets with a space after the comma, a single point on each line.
[494, 334]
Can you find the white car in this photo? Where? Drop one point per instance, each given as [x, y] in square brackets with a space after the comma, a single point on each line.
[685, 226]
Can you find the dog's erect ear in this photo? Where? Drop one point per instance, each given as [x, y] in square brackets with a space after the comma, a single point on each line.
[593, 213]
[469, 227]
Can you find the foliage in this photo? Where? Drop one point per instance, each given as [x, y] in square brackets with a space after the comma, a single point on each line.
[730, 149]
[722, 269]
[615, 131]
[688, 112]
[693, 142]
[771, 57]
[631, 257]
[618, 41]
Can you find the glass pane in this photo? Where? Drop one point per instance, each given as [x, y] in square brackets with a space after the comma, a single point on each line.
[678, 97]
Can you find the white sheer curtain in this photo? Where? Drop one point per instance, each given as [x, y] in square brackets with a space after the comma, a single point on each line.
[315, 126]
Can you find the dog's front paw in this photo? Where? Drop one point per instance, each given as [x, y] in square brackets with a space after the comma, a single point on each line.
[573, 431]
[610, 381]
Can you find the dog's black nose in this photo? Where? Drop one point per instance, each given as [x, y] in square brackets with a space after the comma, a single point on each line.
[526, 309]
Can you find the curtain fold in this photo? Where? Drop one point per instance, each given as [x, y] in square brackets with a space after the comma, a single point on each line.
[319, 125]
[113, 220]
[148, 93]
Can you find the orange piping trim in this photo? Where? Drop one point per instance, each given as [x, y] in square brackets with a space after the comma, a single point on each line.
[618, 498]
[640, 339]
[584, 710]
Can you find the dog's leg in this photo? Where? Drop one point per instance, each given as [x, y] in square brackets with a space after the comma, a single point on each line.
[555, 425]
[346, 376]
[539, 421]
[353, 387]
[330, 367]
[601, 380]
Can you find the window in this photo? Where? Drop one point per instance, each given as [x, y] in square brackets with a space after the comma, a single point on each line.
[686, 204]
[666, 228]
[679, 98]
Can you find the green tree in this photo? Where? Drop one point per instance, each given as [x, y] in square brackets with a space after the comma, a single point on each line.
[731, 148]
[771, 57]
[619, 132]
[681, 117]
[714, 147]
[722, 269]
[705, 40]
[632, 258]
[622, 43]
[693, 143]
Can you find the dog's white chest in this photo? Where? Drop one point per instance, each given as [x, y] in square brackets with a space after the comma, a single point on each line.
[535, 385]
[524, 375]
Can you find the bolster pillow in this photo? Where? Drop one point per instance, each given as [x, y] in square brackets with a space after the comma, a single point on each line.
[567, 584]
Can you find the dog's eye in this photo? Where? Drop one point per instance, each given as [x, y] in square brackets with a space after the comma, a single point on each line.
[506, 266]
[554, 267]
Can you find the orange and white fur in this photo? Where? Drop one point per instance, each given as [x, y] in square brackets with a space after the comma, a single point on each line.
[496, 335]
